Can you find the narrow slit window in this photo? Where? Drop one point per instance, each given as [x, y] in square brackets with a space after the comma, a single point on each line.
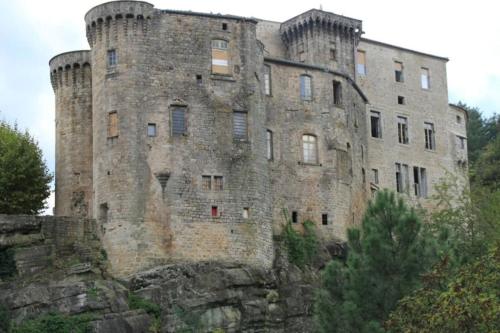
[305, 88]
[220, 57]
[269, 142]
[375, 176]
[361, 62]
[399, 178]
[337, 93]
[295, 217]
[267, 80]
[112, 124]
[178, 121]
[324, 219]
[240, 125]
[424, 78]
[246, 212]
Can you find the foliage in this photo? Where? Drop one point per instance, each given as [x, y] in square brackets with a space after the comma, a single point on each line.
[24, 177]
[4, 319]
[384, 262]
[470, 302]
[7, 263]
[55, 323]
[486, 171]
[136, 302]
[302, 248]
[192, 322]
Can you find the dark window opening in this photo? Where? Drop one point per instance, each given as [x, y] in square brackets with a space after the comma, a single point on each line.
[401, 100]
[398, 70]
[363, 172]
[224, 26]
[375, 122]
[403, 130]
[103, 213]
[199, 79]
[337, 93]
[399, 179]
[215, 211]
[324, 219]
[459, 119]
[295, 217]
[333, 54]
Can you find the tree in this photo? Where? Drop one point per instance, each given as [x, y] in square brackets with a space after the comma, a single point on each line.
[486, 169]
[24, 177]
[384, 263]
[466, 302]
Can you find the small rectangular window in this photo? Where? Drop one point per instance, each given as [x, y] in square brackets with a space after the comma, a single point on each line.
[206, 183]
[401, 100]
[269, 142]
[376, 124]
[361, 62]
[398, 70]
[224, 26]
[218, 183]
[305, 88]
[267, 80]
[240, 125]
[246, 212]
[403, 130]
[215, 211]
[112, 124]
[420, 182]
[429, 136]
[324, 219]
[178, 121]
[151, 130]
[112, 59]
[424, 78]
[375, 176]
[337, 93]
[295, 217]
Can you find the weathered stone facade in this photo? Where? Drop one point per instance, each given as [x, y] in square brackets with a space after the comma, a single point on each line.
[275, 109]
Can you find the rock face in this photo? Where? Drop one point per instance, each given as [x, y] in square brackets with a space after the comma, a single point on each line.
[57, 266]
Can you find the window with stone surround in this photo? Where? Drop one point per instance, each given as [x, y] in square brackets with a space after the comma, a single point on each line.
[324, 219]
[310, 148]
[112, 124]
[218, 183]
[305, 88]
[267, 80]
[430, 141]
[361, 62]
[398, 71]
[376, 124]
[206, 183]
[240, 125]
[112, 58]
[295, 217]
[403, 130]
[220, 57]
[375, 176]
[151, 129]
[424, 78]
[337, 93]
[178, 120]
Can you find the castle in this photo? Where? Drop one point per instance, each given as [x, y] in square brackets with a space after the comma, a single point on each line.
[188, 135]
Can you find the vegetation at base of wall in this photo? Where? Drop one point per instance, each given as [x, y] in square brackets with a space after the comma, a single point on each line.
[465, 302]
[24, 177]
[7, 263]
[55, 323]
[386, 256]
[4, 319]
[136, 302]
[302, 248]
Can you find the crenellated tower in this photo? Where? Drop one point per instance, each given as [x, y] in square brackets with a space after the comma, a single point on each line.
[71, 78]
[322, 38]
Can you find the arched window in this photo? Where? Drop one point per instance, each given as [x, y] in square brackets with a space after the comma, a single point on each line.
[220, 57]
[310, 148]
[305, 88]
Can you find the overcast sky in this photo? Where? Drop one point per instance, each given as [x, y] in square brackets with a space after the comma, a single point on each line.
[33, 31]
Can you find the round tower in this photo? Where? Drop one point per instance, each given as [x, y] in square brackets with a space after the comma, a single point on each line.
[71, 79]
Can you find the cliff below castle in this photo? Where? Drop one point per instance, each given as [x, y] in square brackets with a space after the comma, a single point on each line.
[55, 265]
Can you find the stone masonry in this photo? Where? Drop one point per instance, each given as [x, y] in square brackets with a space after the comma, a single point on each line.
[189, 136]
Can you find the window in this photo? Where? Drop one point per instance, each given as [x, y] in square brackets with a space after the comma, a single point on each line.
[151, 130]
[398, 70]
[430, 142]
[178, 121]
[402, 178]
[403, 130]
[112, 124]
[218, 183]
[112, 59]
[305, 88]
[324, 219]
[310, 149]
[361, 62]
[420, 182]
[246, 212]
[220, 57]
[401, 100]
[333, 54]
[224, 26]
[376, 124]
[269, 141]
[424, 78]
[240, 125]
[374, 176]
[206, 183]
[337, 93]
[295, 217]
[215, 211]
[459, 119]
[267, 80]
[460, 142]
[199, 79]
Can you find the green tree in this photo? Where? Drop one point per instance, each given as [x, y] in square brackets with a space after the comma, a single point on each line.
[384, 262]
[466, 302]
[24, 177]
[486, 171]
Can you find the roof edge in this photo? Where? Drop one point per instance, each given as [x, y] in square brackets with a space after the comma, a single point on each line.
[363, 39]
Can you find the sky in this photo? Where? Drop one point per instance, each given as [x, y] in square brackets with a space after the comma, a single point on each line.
[33, 31]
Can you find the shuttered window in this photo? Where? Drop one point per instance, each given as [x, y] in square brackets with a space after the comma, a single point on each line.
[220, 57]
[112, 124]
[240, 126]
[178, 121]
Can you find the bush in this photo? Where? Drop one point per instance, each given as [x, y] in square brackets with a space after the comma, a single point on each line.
[302, 248]
[136, 302]
[56, 323]
[4, 319]
[7, 263]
